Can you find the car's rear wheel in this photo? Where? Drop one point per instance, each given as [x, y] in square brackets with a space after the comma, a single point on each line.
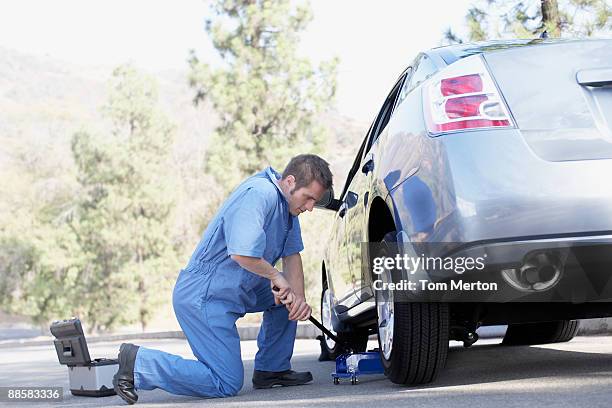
[413, 337]
[417, 350]
[541, 333]
[357, 340]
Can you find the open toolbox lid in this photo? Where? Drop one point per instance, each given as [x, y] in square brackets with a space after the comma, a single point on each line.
[70, 343]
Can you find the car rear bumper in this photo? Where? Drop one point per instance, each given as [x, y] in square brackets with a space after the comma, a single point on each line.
[569, 269]
[565, 270]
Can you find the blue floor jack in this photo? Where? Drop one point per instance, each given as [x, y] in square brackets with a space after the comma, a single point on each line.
[349, 364]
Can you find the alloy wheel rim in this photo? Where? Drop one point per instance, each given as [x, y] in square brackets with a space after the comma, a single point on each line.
[385, 309]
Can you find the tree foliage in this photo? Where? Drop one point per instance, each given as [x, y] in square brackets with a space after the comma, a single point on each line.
[491, 19]
[267, 96]
[122, 221]
[89, 228]
[38, 253]
[91, 236]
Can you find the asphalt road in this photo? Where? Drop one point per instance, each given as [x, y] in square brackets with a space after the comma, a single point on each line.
[574, 374]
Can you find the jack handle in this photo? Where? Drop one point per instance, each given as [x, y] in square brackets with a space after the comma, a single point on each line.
[317, 324]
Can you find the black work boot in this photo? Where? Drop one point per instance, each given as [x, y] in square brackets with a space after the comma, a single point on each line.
[123, 381]
[268, 379]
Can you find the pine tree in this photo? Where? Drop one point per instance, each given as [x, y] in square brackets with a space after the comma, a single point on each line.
[268, 98]
[39, 256]
[123, 221]
[492, 19]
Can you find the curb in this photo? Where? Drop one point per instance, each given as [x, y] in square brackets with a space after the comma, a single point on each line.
[588, 327]
[246, 332]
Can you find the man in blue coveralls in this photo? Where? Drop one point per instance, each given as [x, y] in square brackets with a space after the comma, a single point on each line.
[231, 273]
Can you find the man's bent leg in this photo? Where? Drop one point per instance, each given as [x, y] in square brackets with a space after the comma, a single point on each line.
[212, 334]
[276, 335]
[275, 341]
[174, 374]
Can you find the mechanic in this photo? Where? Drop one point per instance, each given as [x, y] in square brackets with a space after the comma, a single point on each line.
[231, 273]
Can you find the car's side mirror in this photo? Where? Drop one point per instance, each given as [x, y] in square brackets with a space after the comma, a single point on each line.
[349, 202]
[328, 201]
[351, 199]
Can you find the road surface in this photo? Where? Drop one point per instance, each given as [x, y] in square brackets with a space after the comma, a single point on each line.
[574, 374]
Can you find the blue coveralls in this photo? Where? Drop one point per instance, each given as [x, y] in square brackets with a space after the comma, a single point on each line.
[213, 291]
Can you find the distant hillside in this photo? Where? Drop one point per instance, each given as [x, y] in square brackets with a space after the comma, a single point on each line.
[43, 101]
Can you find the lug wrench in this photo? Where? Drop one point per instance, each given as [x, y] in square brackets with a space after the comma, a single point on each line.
[318, 324]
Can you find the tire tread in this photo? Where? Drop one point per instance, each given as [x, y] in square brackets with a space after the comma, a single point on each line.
[420, 352]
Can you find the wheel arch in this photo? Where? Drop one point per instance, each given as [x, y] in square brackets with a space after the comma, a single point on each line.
[380, 220]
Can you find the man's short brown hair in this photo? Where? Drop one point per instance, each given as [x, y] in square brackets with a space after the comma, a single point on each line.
[307, 168]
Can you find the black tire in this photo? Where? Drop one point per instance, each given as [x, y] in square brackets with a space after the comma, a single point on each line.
[541, 333]
[357, 340]
[421, 345]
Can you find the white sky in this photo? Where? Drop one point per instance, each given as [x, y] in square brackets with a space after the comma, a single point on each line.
[374, 40]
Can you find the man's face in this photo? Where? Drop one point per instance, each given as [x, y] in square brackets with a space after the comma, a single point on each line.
[304, 198]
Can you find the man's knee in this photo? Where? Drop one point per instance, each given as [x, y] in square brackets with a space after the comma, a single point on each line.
[231, 386]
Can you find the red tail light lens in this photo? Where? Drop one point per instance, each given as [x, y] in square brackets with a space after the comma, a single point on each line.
[464, 106]
[461, 85]
[464, 96]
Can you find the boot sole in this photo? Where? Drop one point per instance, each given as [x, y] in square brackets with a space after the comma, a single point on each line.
[280, 383]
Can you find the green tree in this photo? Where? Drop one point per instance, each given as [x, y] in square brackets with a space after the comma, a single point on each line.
[38, 270]
[123, 221]
[268, 98]
[38, 253]
[490, 19]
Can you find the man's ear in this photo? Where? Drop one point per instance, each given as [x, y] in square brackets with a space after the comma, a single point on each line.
[291, 180]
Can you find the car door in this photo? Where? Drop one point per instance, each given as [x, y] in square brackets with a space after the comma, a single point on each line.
[341, 283]
[339, 276]
[358, 192]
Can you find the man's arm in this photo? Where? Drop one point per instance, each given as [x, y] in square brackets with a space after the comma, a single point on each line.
[261, 267]
[294, 272]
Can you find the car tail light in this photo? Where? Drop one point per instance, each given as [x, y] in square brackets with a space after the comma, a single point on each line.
[464, 96]
[461, 85]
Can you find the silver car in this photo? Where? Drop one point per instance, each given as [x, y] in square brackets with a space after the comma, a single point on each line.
[501, 149]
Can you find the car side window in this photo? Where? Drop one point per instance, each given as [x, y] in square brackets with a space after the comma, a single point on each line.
[423, 68]
[356, 165]
[404, 91]
[385, 113]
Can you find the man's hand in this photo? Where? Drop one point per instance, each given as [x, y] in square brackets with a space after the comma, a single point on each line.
[299, 309]
[282, 290]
